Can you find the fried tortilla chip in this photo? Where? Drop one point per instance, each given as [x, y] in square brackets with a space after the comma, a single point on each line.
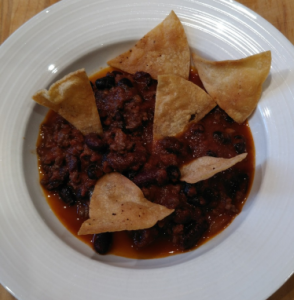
[118, 204]
[236, 85]
[179, 102]
[164, 50]
[72, 97]
[205, 167]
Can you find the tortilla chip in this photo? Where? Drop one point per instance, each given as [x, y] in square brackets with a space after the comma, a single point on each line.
[72, 97]
[164, 50]
[205, 167]
[179, 103]
[118, 204]
[236, 85]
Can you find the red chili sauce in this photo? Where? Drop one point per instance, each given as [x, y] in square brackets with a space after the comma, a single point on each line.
[70, 165]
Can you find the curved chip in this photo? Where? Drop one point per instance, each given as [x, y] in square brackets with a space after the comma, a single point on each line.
[205, 167]
[72, 97]
[118, 204]
[163, 50]
[236, 85]
[179, 102]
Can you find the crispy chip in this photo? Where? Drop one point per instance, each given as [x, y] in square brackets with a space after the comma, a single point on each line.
[205, 167]
[179, 102]
[72, 97]
[118, 204]
[164, 50]
[236, 85]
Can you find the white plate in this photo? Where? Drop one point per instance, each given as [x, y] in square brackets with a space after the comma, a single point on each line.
[40, 259]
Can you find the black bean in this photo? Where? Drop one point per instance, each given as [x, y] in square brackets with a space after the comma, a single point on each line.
[221, 138]
[125, 82]
[147, 177]
[171, 145]
[237, 183]
[105, 83]
[94, 172]
[94, 142]
[218, 135]
[67, 195]
[240, 147]
[91, 171]
[102, 242]
[145, 237]
[173, 173]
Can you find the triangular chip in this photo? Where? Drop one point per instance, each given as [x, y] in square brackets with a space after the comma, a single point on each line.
[118, 204]
[179, 102]
[164, 50]
[236, 85]
[205, 167]
[72, 97]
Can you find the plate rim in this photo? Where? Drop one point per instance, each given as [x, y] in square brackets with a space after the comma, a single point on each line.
[35, 19]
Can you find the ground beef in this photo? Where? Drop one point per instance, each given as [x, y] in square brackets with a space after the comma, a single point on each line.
[72, 163]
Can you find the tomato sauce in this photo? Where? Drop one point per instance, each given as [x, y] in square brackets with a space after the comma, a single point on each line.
[215, 135]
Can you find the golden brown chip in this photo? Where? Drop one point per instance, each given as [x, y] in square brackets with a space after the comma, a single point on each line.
[164, 50]
[72, 97]
[205, 167]
[236, 85]
[118, 204]
[179, 102]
